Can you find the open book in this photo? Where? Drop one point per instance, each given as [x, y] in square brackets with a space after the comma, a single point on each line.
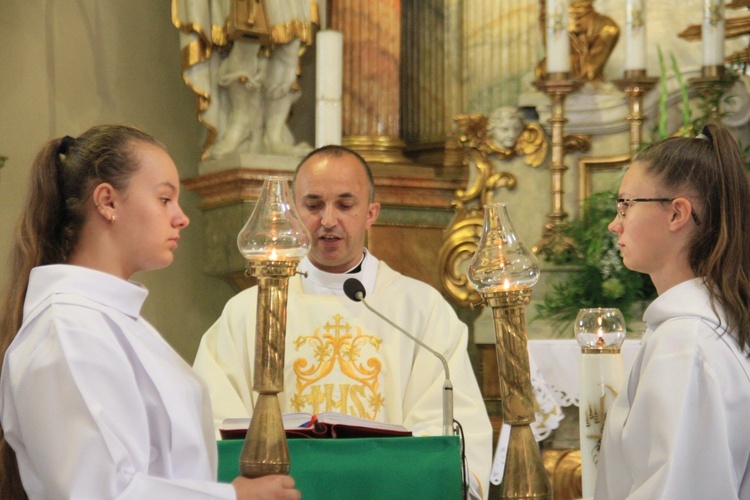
[323, 425]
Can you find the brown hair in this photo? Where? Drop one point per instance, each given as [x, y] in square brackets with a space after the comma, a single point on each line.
[63, 177]
[711, 168]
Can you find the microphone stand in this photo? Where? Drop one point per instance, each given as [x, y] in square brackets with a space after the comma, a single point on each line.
[447, 386]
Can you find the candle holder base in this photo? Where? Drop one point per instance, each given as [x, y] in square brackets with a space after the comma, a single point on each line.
[525, 476]
[265, 450]
[714, 72]
[555, 245]
[636, 82]
[713, 78]
[558, 84]
[713, 83]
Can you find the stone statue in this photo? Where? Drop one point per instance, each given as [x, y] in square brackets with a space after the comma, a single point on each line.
[505, 125]
[245, 89]
[593, 36]
[735, 107]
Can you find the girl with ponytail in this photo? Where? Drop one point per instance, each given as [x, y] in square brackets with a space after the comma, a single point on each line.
[678, 429]
[93, 402]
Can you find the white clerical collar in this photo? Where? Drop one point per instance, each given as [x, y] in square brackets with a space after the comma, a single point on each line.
[321, 283]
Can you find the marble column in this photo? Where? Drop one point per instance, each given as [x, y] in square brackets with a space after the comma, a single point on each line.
[501, 46]
[372, 63]
[432, 79]
[462, 57]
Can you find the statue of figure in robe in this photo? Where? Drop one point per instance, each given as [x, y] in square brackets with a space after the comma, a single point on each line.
[245, 87]
[593, 36]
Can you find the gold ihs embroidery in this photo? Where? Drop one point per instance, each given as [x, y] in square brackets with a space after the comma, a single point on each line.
[335, 346]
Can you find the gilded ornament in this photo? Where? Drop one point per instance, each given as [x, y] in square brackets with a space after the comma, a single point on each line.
[483, 139]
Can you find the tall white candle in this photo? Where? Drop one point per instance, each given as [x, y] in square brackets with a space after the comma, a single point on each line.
[635, 35]
[328, 87]
[601, 378]
[600, 333]
[713, 32]
[558, 43]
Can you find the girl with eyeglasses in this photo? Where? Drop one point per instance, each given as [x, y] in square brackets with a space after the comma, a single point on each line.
[679, 428]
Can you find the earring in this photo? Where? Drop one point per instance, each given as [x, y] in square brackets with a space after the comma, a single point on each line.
[112, 219]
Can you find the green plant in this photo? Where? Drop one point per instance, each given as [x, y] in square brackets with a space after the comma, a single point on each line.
[660, 130]
[600, 278]
[708, 103]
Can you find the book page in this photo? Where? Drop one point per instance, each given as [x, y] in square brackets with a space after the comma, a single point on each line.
[297, 420]
[332, 417]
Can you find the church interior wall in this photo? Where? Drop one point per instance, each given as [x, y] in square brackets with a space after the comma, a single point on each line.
[67, 67]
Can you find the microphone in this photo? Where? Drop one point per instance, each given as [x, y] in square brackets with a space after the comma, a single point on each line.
[354, 289]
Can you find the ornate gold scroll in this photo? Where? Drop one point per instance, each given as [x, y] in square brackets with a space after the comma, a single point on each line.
[462, 235]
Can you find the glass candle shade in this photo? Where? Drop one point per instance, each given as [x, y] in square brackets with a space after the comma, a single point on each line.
[501, 261]
[274, 231]
[600, 328]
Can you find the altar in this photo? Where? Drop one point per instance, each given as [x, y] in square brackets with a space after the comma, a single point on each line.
[365, 468]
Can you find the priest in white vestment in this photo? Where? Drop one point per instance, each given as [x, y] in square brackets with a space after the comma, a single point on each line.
[339, 355]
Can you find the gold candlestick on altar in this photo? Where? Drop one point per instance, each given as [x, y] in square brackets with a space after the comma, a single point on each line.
[713, 84]
[504, 271]
[273, 240]
[554, 241]
[635, 84]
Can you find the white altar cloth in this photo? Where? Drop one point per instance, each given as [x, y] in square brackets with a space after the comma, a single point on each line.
[555, 378]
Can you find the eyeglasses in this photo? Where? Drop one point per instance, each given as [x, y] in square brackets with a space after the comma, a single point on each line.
[624, 203]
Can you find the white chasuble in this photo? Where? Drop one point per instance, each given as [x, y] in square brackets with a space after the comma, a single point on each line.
[341, 357]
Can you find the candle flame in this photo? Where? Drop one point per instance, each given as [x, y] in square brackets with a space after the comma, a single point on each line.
[600, 334]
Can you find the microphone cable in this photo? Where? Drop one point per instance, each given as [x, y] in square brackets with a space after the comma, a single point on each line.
[464, 461]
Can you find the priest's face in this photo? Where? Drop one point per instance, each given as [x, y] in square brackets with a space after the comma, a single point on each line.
[332, 196]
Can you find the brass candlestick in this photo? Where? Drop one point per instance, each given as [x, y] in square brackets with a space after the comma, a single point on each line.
[273, 240]
[265, 450]
[635, 83]
[503, 271]
[554, 241]
[713, 84]
[525, 475]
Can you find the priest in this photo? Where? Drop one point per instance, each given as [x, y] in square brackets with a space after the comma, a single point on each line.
[339, 355]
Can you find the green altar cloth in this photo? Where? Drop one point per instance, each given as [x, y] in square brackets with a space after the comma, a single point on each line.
[365, 468]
